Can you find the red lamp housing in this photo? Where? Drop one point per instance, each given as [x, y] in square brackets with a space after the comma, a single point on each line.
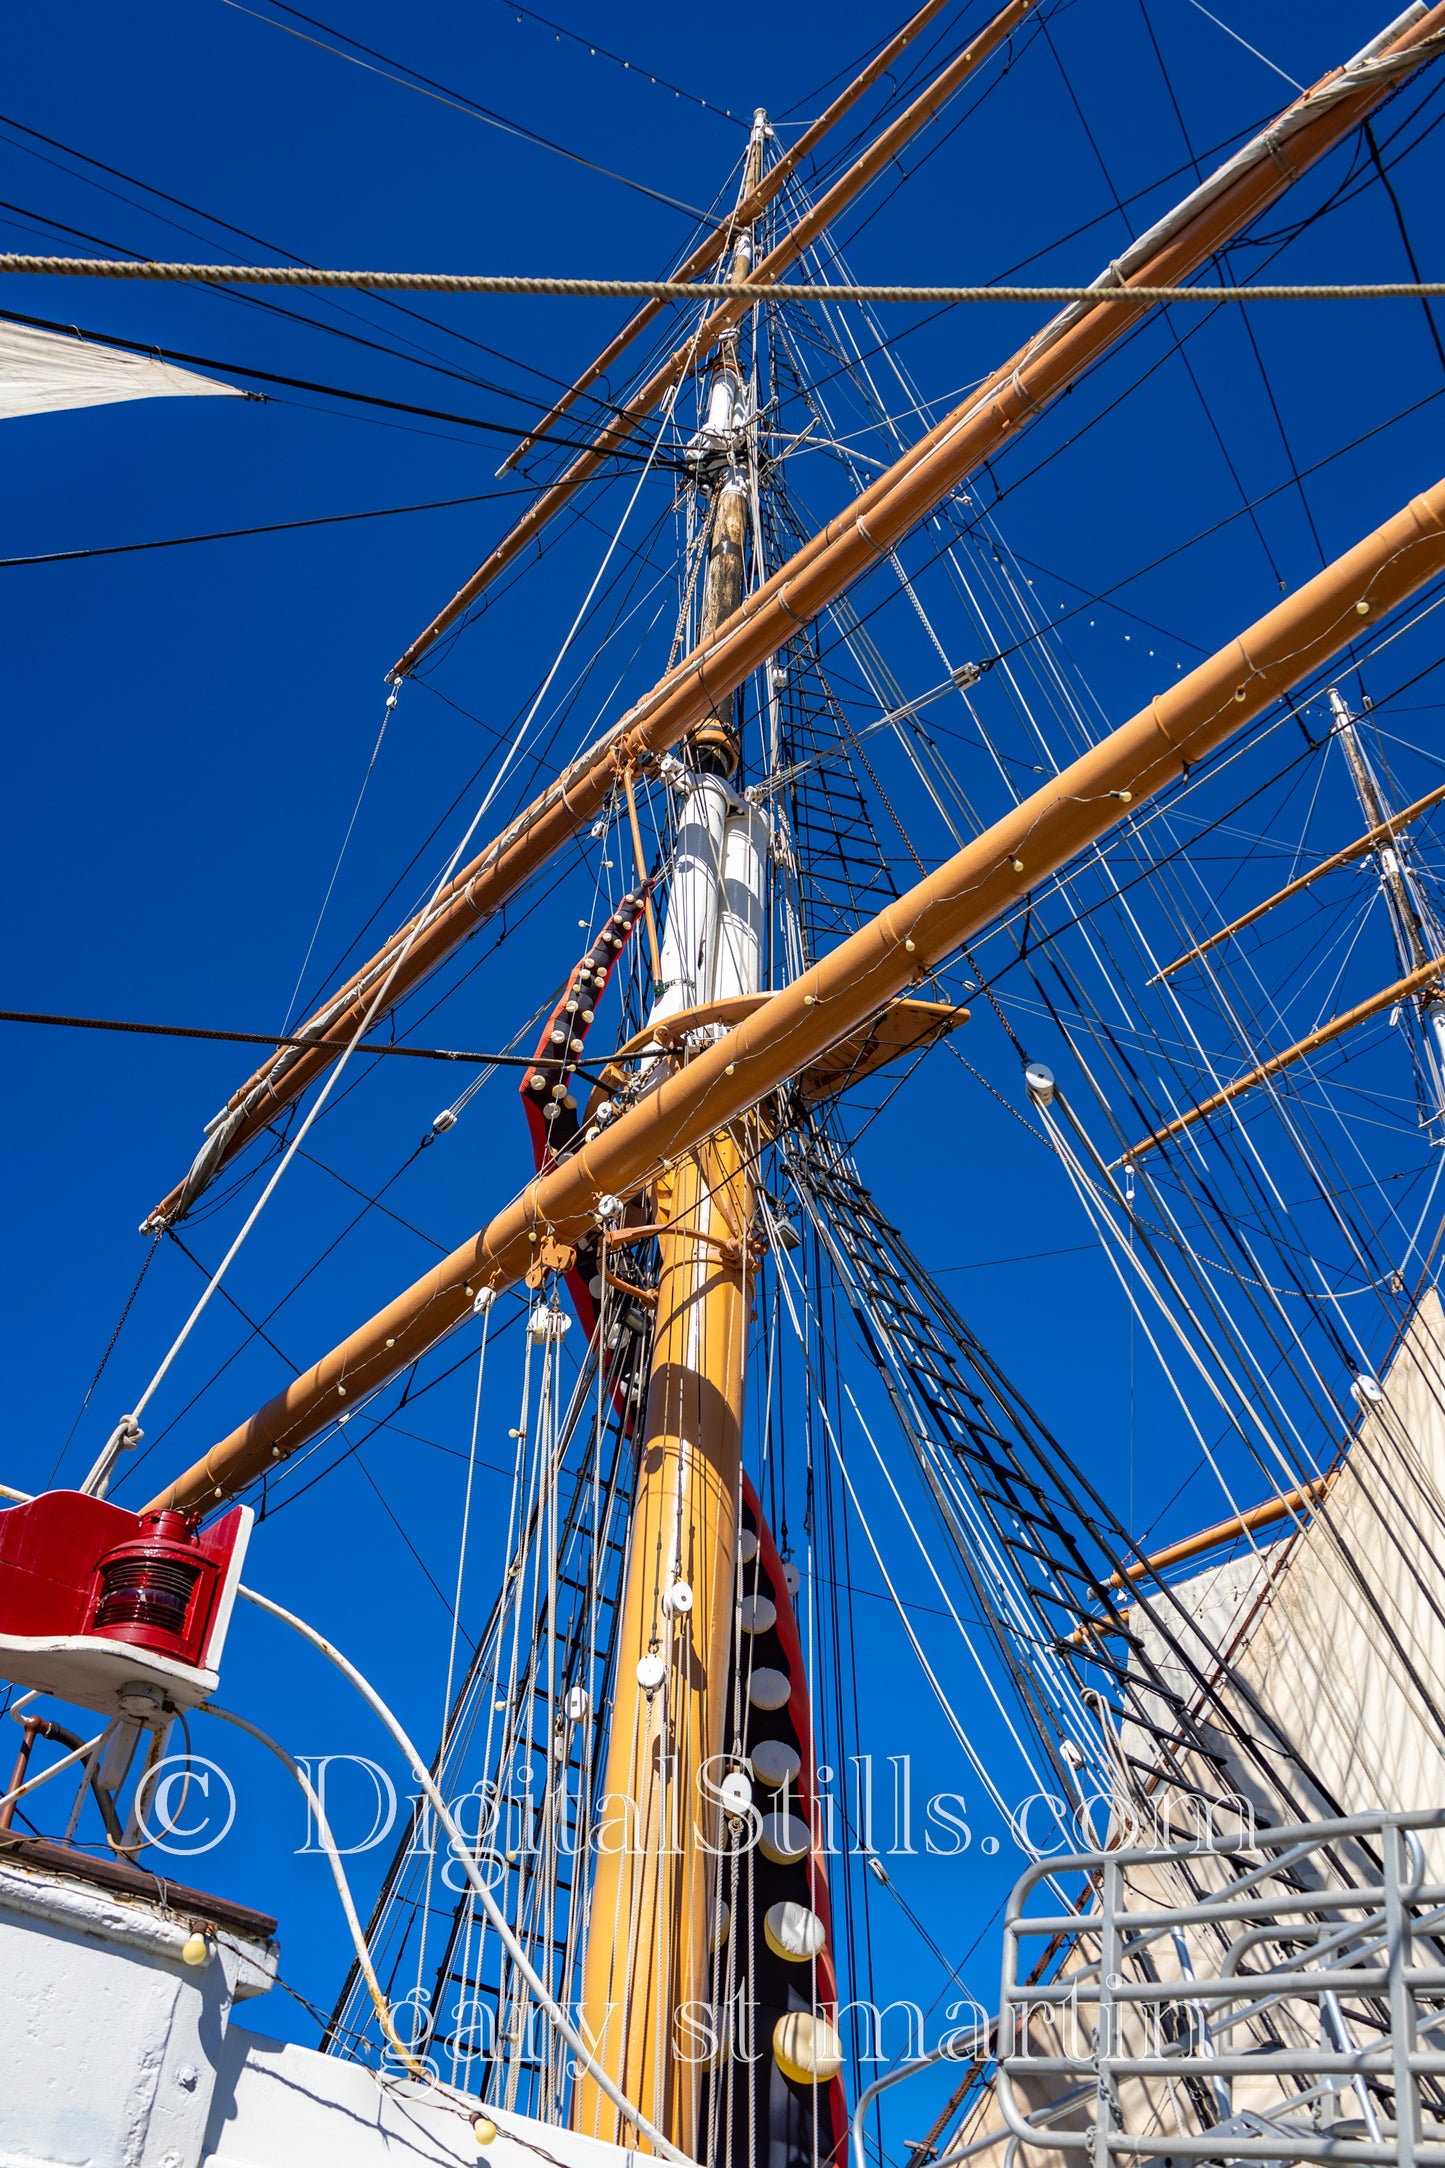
[94, 1599]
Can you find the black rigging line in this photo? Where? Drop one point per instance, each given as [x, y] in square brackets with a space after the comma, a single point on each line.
[1082, 913]
[1029, 1257]
[907, 331]
[255, 1332]
[561, 31]
[1223, 264]
[1013, 53]
[291, 383]
[411, 1393]
[275, 308]
[367, 1198]
[1165, 632]
[446, 994]
[276, 1307]
[1385, 1519]
[269, 1038]
[236, 534]
[327, 979]
[529, 768]
[920, 65]
[390, 301]
[1139, 1097]
[428, 1139]
[1203, 535]
[1179, 342]
[1166, 314]
[126, 1309]
[441, 1596]
[849, 69]
[427, 86]
[419, 354]
[1396, 207]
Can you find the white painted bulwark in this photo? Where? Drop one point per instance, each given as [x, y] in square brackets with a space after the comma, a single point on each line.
[109, 2041]
[116, 2053]
[278, 2106]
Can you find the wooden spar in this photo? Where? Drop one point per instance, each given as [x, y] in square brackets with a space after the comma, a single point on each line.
[1419, 981]
[484, 884]
[639, 875]
[1282, 1508]
[809, 581]
[912, 937]
[648, 1946]
[749, 209]
[1384, 831]
[724, 318]
[1286, 1506]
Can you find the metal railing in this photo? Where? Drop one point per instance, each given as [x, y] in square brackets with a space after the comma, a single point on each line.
[1292, 2007]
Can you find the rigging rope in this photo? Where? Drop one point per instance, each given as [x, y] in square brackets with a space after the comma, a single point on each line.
[503, 283]
[427, 87]
[266, 1038]
[560, 31]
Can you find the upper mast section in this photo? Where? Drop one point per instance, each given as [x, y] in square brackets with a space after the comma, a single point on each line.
[753, 203]
[785, 253]
[1419, 936]
[991, 415]
[711, 827]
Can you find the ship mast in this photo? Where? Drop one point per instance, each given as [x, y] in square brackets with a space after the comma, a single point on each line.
[1419, 938]
[990, 416]
[651, 1924]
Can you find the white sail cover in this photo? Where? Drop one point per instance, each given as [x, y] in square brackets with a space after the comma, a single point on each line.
[43, 372]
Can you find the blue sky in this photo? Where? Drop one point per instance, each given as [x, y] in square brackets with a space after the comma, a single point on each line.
[189, 728]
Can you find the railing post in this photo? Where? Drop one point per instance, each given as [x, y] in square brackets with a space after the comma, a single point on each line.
[1399, 1939]
[1106, 2044]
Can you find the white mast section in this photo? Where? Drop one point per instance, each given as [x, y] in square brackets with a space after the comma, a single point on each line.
[690, 933]
[738, 949]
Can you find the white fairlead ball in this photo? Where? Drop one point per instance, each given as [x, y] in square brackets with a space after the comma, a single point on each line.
[783, 1839]
[775, 1762]
[768, 1689]
[806, 2048]
[792, 1932]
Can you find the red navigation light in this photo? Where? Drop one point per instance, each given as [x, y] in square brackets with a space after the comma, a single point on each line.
[94, 1599]
[151, 1586]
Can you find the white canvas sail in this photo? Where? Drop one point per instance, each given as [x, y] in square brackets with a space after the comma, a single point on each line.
[1339, 1634]
[44, 372]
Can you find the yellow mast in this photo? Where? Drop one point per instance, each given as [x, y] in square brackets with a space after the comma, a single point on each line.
[650, 1924]
[646, 1961]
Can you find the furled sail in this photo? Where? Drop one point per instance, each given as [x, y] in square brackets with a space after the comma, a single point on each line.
[43, 372]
